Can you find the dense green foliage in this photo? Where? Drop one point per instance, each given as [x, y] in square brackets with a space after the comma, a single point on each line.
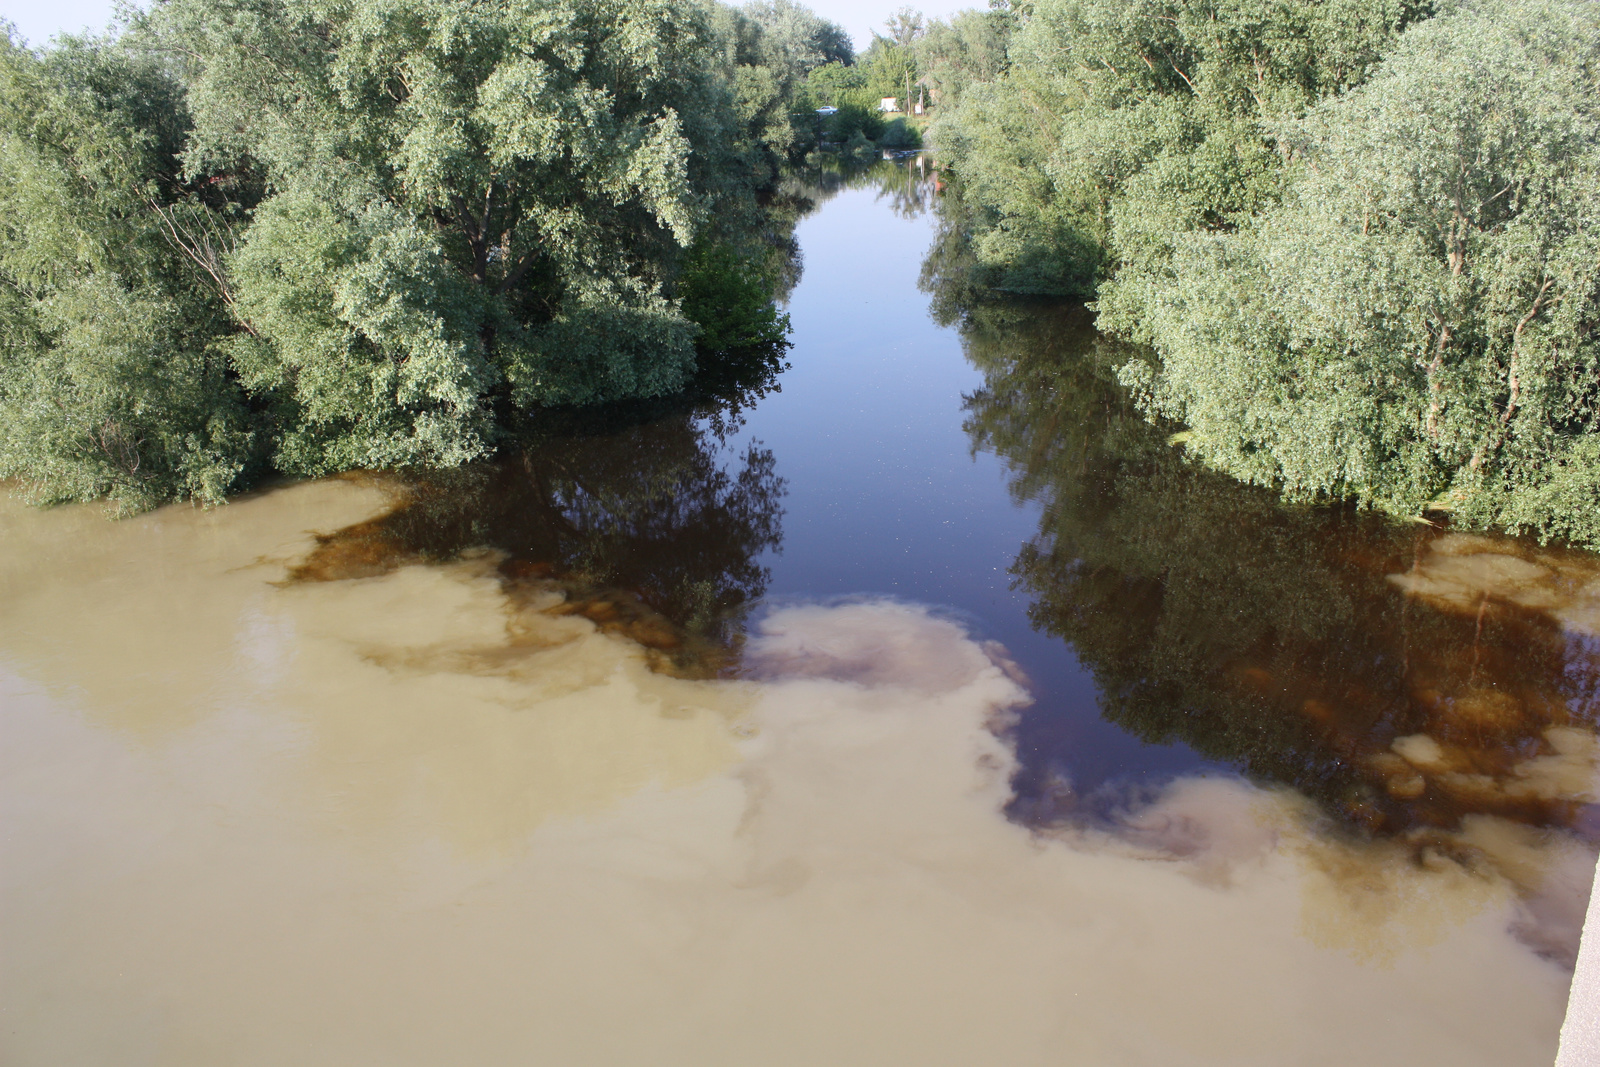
[969, 49]
[774, 46]
[308, 236]
[1114, 125]
[110, 383]
[1358, 237]
[732, 296]
[1416, 320]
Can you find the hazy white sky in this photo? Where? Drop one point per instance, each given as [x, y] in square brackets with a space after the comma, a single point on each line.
[39, 20]
[861, 18]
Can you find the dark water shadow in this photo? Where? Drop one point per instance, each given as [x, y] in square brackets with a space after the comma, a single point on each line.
[640, 517]
[1402, 677]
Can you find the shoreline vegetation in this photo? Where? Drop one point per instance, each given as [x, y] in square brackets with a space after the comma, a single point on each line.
[1349, 251]
[241, 239]
[1354, 246]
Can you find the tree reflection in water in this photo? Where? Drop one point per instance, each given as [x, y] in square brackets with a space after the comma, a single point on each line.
[1402, 677]
[638, 517]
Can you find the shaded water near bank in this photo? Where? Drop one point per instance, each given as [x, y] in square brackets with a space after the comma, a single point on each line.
[918, 703]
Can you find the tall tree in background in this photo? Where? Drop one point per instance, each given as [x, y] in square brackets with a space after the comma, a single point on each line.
[970, 48]
[906, 26]
[773, 46]
[796, 40]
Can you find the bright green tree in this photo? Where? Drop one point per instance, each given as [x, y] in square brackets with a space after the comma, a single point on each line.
[1115, 125]
[1415, 325]
[466, 203]
[110, 385]
[316, 234]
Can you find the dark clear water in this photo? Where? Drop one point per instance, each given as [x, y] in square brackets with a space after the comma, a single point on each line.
[1168, 621]
[886, 493]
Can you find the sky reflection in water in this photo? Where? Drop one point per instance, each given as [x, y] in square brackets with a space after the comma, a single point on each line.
[637, 747]
[1167, 620]
[408, 819]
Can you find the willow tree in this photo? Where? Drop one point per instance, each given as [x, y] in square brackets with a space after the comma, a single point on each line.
[109, 383]
[771, 47]
[466, 203]
[969, 48]
[1114, 125]
[1415, 326]
[316, 234]
[794, 40]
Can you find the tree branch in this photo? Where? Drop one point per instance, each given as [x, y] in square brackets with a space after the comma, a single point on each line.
[1435, 403]
[1514, 372]
[203, 253]
[516, 274]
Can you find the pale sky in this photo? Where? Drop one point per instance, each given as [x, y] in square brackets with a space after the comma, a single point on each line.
[39, 20]
[861, 18]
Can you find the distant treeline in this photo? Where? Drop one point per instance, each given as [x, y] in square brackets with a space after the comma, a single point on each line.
[240, 237]
[1357, 240]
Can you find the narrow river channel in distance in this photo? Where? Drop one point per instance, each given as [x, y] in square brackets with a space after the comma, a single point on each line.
[915, 703]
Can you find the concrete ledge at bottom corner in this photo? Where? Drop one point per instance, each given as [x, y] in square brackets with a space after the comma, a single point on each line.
[1580, 1034]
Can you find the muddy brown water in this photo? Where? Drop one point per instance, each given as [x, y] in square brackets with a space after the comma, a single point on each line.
[920, 707]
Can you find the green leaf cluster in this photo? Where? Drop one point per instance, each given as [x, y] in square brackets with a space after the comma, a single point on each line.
[1358, 236]
[1414, 324]
[110, 381]
[731, 297]
[315, 235]
[1112, 126]
[969, 48]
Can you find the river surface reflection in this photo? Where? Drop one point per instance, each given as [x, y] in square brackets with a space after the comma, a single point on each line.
[914, 703]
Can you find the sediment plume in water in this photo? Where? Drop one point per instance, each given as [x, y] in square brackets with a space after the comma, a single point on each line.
[1310, 647]
[1406, 684]
[414, 818]
[645, 522]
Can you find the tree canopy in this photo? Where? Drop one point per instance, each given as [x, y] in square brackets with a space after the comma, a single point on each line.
[1414, 325]
[1358, 237]
[306, 235]
[1112, 125]
[110, 384]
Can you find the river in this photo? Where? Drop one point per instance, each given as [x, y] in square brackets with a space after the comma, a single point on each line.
[914, 703]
